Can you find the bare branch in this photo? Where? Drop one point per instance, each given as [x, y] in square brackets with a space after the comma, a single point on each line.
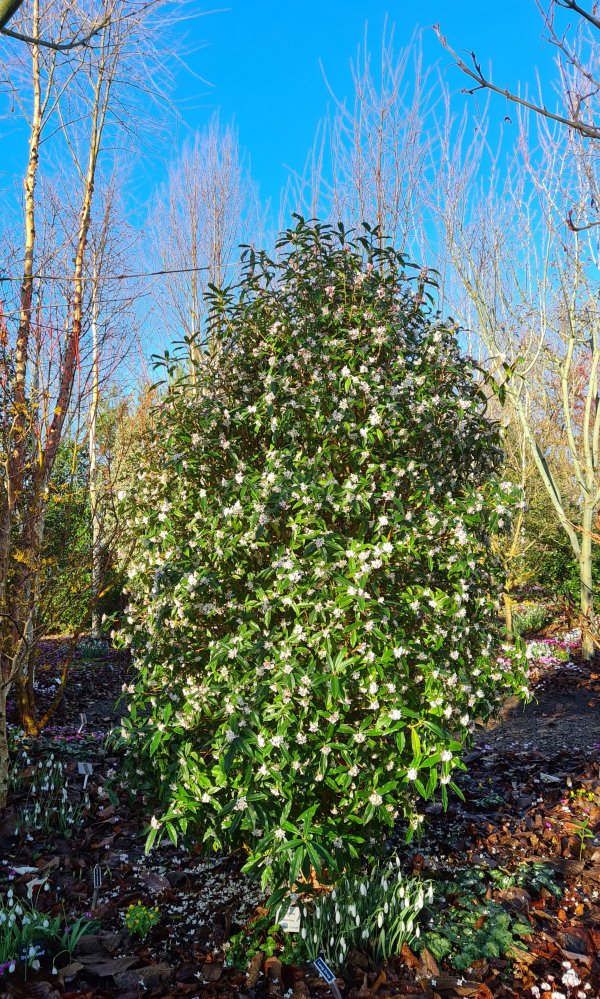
[586, 14]
[66, 46]
[578, 228]
[8, 8]
[476, 74]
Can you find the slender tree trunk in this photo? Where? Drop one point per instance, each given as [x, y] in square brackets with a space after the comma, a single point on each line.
[33, 539]
[15, 598]
[508, 613]
[93, 483]
[4, 757]
[586, 581]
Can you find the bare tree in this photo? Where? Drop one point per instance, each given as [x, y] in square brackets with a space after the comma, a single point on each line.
[579, 110]
[372, 159]
[512, 240]
[71, 104]
[532, 287]
[207, 207]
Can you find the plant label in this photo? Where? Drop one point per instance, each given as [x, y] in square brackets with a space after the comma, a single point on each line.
[85, 768]
[290, 921]
[83, 718]
[323, 969]
[97, 876]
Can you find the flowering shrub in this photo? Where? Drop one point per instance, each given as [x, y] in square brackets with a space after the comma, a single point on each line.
[311, 601]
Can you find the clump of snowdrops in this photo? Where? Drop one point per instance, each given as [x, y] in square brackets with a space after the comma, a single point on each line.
[48, 807]
[312, 594]
[376, 914]
[26, 933]
[23, 932]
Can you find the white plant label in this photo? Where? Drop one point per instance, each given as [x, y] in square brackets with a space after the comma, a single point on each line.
[290, 921]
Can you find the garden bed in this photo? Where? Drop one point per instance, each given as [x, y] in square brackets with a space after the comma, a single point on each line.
[525, 843]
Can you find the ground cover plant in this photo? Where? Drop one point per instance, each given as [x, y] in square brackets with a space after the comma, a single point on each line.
[311, 602]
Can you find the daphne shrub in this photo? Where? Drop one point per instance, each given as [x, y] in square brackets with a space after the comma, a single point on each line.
[312, 594]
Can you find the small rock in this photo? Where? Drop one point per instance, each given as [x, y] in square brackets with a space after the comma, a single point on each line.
[99, 943]
[273, 969]
[149, 977]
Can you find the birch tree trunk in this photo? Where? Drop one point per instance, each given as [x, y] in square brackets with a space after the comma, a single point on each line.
[93, 483]
[531, 289]
[66, 101]
[586, 580]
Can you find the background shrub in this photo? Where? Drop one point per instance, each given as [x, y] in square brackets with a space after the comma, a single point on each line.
[310, 599]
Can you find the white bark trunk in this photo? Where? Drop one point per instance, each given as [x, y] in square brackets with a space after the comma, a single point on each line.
[586, 581]
[93, 484]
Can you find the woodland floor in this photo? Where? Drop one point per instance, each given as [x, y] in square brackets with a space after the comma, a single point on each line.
[533, 778]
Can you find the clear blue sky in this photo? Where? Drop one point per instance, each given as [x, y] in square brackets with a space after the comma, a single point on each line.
[262, 60]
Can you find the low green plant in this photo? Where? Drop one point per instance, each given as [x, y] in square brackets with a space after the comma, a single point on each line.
[140, 919]
[375, 914]
[584, 794]
[93, 648]
[583, 833]
[71, 935]
[531, 876]
[471, 930]
[258, 935]
[531, 619]
[487, 799]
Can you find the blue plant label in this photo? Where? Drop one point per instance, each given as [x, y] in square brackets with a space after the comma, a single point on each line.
[85, 768]
[323, 969]
[97, 876]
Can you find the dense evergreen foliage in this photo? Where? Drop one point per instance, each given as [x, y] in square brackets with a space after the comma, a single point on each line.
[312, 598]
